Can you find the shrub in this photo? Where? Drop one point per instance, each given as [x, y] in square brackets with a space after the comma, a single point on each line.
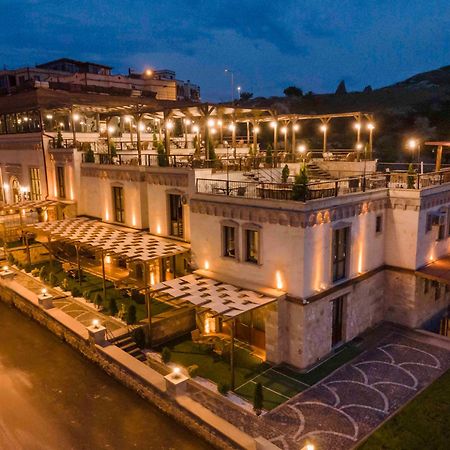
[411, 177]
[65, 284]
[285, 174]
[258, 399]
[269, 158]
[52, 279]
[10, 258]
[193, 370]
[137, 297]
[43, 273]
[131, 314]
[76, 292]
[27, 268]
[139, 337]
[112, 306]
[89, 156]
[300, 188]
[98, 299]
[87, 295]
[59, 140]
[112, 149]
[35, 272]
[223, 388]
[166, 355]
[162, 157]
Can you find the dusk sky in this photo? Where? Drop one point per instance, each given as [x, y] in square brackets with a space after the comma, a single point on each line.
[269, 44]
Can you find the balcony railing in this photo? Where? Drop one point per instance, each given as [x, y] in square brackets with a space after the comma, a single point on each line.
[321, 189]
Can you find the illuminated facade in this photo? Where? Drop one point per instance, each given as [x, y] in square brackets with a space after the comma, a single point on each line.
[346, 256]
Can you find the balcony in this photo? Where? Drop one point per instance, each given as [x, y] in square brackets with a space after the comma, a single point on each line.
[321, 189]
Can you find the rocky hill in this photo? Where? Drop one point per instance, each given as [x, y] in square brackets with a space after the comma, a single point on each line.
[418, 106]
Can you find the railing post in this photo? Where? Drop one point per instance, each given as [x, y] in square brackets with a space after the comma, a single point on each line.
[418, 181]
[336, 188]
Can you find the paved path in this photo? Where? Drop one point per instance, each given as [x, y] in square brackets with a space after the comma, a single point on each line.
[345, 407]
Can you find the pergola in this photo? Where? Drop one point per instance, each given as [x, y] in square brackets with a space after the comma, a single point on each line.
[216, 297]
[110, 240]
[440, 146]
[9, 213]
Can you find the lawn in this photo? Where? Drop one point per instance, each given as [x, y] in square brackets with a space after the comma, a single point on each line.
[279, 383]
[422, 424]
[93, 284]
[211, 366]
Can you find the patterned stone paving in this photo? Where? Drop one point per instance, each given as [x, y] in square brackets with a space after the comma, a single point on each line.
[345, 407]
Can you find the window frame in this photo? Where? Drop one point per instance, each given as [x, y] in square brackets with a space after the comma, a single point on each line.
[379, 224]
[61, 181]
[246, 228]
[35, 183]
[118, 203]
[178, 220]
[336, 275]
[229, 224]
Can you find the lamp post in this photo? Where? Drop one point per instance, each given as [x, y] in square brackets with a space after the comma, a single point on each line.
[231, 73]
[323, 129]
[239, 92]
[358, 132]
[284, 131]
[370, 127]
[302, 151]
[295, 128]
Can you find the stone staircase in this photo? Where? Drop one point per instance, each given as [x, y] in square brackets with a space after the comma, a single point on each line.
[127, 344]
[315, 172]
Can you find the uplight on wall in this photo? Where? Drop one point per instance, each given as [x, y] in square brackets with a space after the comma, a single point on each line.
[206, 265]
[108, 259]
[279, 280]
[158, 229]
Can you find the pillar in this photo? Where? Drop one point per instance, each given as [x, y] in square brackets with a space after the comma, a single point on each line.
[232, 382]
[438, 158]
[103, 277]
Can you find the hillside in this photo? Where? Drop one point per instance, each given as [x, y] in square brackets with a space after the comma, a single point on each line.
[418, 106]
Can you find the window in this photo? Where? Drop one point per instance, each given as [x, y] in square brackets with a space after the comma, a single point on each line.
[437, 290]
[35, 181]
[426, 286]
[175, 215]
[61, 182]
[340, 253]
[229, 241]
[429, 223]
[441, 231]
[119, 210]
[252, 246]
[379, 224]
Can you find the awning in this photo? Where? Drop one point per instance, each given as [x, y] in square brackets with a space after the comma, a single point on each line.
[26, 205]
[212, 295]
[438, 270]
[111, 239]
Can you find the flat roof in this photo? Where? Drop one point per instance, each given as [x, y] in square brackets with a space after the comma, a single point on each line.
[209, 294]
[111, 239]
[438, 270]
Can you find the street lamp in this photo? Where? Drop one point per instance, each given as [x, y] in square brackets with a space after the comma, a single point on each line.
[412, 145]
[370, 127]
[302, 150]
[357, 127]
[323, 129]
[232, 83]
[239, 92]
[148, 72]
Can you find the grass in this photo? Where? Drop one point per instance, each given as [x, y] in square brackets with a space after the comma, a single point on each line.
[279, 383]
[423, 423]
[216, 368]
[94, 284]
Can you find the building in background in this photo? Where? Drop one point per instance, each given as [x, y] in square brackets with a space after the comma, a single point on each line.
[72, 75]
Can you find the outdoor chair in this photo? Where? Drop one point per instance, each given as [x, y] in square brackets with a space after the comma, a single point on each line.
[241, 191]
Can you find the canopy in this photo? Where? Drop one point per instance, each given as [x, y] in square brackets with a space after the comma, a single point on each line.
[111, 239]
[220, 298]
[438, 270]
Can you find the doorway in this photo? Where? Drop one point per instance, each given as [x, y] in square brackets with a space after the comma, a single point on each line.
[337, 321]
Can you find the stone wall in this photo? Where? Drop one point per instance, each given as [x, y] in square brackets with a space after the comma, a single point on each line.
[119, 371]
[175, 324]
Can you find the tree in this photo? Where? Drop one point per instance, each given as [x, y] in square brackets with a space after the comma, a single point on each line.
[269, 158]
[166, 355]
[293, 91]
[212, 150]
[52, 279]
[131, 314]
[98, 299]
[162, 157]
[367, 89]
[112, 149]
[59, 140]
[411, 177]
[300, 188]
[89, 156]
[246, 95]
[285, 174]
[112, 306]
[341, 89]
[258, 399]
[43, 273]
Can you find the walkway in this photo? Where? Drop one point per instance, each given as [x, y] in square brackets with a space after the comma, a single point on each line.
[345, 407]
[74, 308]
